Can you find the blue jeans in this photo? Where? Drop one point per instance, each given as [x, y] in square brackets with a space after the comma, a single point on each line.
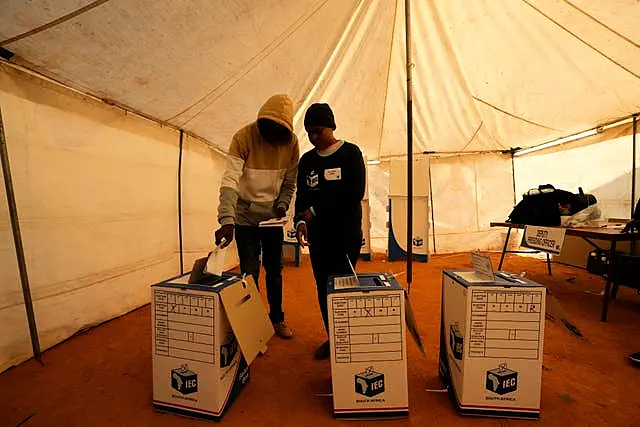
[252, 241]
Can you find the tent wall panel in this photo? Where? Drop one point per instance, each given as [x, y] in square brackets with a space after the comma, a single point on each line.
[469, 192]
[96, 196]
[14, 339]
[202, 170]
[378, 189]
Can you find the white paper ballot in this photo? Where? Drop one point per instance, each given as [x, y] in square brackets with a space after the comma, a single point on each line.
[347, 281]
[216, 262]
[274, 222]
[482, 265]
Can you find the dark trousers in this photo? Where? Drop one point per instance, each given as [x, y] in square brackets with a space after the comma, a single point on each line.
[329, 258]
[251, 241]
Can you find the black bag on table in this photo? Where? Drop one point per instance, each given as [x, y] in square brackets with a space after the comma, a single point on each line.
[541, 206]
[537, 207]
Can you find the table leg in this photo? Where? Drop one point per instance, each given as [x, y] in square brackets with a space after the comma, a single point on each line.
[504, 249]
[614, 291]
[607, 286]
[549, 263]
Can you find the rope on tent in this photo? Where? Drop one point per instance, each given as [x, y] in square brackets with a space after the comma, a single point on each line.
[227, 84]
[115, 104]
[335, 53]
[622, 36]
[474, 135]
[637, 76]
[386, 92]
[53, 23]
[513, 115]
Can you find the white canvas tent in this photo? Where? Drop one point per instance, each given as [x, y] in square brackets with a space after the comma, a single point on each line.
[103, 102]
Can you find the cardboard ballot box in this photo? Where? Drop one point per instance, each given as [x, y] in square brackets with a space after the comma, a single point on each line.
[205, 336]
[368, 346]
[491, 341]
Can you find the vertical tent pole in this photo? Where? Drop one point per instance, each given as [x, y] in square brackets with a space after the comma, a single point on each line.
[407, 15]
[633, 174]
[633, 164]
[180, 202]
[17, 239]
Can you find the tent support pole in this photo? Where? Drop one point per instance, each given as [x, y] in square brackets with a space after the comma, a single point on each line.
[633, 174]
[180, 203]
[513, 177]
[17, 239]
[407, 15]
[633, 164]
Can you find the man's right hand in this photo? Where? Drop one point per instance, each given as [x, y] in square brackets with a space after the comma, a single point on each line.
[301, 234]
[225, 232]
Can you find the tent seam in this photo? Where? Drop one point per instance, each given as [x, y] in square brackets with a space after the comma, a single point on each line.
[582, 40]
[259, 57]
[513, 115]
[386, 92]
[54, 23]
[603, 24]
[474, 135]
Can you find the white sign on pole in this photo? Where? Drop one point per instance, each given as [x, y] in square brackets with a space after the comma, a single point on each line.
[545, 239]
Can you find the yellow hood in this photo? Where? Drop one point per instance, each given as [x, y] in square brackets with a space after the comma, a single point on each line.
[278, 108]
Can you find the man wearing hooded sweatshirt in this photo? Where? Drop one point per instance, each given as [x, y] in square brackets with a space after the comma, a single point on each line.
[331, 185]
[257, 185]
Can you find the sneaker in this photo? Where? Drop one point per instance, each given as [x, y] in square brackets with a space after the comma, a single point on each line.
[282, 330]
[323, 351]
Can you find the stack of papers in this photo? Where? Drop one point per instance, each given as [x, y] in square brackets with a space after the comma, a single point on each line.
[274, 222]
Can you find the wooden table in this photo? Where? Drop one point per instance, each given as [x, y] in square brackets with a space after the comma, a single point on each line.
[611, 235]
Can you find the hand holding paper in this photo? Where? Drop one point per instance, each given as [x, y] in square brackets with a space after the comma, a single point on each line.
[217, 258]
[273, 222]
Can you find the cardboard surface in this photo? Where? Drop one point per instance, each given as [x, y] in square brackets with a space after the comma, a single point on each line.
[199, 367]
[367, 333]
[491, 346]
[248, 317]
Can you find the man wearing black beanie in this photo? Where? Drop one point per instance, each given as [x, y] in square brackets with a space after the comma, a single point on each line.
[331, 185]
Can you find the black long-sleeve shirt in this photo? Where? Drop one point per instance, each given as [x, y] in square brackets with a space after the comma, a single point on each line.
[332, 186]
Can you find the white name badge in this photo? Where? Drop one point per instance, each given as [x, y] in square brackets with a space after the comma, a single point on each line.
[333, 174]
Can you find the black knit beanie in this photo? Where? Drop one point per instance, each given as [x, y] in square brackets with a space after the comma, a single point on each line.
[319, 115]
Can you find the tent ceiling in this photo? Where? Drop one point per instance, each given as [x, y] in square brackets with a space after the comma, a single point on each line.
[488, 74]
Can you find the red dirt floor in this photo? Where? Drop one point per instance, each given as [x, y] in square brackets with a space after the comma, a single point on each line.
[103, 377]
